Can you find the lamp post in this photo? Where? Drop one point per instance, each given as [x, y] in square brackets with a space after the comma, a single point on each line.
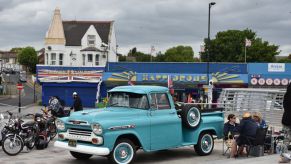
[208, 40]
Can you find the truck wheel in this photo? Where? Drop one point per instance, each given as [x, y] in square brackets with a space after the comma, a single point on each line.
[80, 156]
[123, 152]
[205, 144]
[191, 116]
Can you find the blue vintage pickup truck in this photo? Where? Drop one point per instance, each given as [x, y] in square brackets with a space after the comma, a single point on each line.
[138, 117]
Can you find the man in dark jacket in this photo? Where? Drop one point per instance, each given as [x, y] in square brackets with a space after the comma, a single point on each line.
[77, 106]
[286, 121]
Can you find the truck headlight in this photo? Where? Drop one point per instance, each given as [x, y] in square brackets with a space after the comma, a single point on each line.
[97, 129]
[60, 125]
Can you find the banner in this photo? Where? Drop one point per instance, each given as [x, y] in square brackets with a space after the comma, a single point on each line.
[69, 74]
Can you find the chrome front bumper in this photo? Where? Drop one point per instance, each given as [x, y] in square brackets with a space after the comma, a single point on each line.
[83, 148]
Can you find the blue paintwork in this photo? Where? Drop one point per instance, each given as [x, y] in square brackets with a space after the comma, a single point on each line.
[155, 129]
[183, 67]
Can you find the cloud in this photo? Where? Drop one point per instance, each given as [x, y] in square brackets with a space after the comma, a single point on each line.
[141, 24]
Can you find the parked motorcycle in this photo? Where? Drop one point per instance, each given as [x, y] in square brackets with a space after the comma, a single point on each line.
[2, 125]
[17, 135]
[50, 123]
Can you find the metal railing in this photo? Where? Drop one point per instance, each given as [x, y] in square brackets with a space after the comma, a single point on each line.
[267, 101]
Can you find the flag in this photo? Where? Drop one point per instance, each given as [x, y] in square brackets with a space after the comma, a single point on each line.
[98, 90]
[248, 42]
[170, 84]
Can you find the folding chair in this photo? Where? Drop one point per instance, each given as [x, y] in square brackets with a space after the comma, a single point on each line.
[259, 140]
[228, 144]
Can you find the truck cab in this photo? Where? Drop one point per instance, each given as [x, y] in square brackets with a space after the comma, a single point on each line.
[138, 117]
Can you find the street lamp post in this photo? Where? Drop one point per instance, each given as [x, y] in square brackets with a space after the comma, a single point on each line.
[208, 40]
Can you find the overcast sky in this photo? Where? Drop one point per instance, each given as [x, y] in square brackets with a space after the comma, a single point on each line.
[143, 23]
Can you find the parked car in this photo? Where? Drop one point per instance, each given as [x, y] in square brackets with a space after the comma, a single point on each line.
[138, 117]
[22, 77]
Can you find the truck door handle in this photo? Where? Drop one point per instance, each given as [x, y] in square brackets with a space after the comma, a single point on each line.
[172, 112]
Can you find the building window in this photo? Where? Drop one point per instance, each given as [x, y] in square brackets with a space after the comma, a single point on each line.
[61, 59]
[90, 58]
[97, 59]
[53, 58]
[91, 40]
[84, 59]
[46, 58]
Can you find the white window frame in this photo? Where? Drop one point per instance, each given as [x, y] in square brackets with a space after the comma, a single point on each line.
[97, 56]
[91, 39]
[46, 58]
[61, 59]
[90, 61]
[53, 58]
[84, 59]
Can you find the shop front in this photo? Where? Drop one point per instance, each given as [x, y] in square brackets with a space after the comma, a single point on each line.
[187, 79]
[271, 75]
[62, 81]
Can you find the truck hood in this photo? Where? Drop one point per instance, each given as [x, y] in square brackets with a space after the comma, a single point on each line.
[103, 114]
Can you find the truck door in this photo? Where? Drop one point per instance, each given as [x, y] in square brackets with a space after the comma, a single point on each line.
[165, 123]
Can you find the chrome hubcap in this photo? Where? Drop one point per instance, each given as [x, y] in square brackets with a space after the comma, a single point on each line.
[123, 154]
[192, 116]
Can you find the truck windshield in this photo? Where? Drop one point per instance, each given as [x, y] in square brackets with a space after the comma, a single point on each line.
[126, 99]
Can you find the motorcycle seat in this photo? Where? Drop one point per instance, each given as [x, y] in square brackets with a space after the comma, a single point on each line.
[28, 124]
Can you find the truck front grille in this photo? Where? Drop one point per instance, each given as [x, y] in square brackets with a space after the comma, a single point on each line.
[79, 132]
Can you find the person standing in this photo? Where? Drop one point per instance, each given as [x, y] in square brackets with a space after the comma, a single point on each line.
[286, 122]
[77, 105]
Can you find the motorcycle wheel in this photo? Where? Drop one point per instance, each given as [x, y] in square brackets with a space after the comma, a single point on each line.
[30, 144]
[53, 131]
[12, 145]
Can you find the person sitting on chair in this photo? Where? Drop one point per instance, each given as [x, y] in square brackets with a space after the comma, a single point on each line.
[257, 116]
[247, 129]
[230, 127]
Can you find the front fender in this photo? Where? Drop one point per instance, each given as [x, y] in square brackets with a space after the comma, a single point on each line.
[10, 134]
[111, 137]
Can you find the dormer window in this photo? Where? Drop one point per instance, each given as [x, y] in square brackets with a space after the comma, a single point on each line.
[91, 40]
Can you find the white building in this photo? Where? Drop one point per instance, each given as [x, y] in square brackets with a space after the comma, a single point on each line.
[80, 43]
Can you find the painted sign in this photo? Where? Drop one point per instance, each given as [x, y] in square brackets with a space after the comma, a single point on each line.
[269, 80]
[181, 78]
[69, 74]
[276, 67]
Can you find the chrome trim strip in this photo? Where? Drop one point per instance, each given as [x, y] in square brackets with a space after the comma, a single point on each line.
[122, 127]
[78, 122]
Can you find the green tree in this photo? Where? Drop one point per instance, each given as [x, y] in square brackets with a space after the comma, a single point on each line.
[16, 49]
[160, 57]
[28, 58]
[122, 58]
[229, 46]
[140, 56]
[179, 54]
[285, 60]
